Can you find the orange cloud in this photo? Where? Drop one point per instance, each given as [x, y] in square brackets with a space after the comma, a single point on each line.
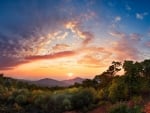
[52, 56]
[125, 47]
[117, 34]
[7, 63]
[89, 60]
[75, 27]
[59, 47]
[89, 37]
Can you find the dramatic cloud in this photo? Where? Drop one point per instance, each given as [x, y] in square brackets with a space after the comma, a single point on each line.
[32, 30]
[89, 60]
[117, 34]
[61, 47]
[75, 32]
[51, 56]
[7, 63]
[88, 38]
[126, 46]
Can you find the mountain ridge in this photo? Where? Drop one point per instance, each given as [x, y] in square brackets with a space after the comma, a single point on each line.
[48, 82]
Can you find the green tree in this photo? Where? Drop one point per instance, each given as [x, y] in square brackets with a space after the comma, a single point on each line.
[118, 90]
[106, 77]
[82, 99]
[146, 68]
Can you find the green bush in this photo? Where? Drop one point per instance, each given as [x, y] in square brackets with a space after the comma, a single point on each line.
[67, 104]
[21, 99]
[118, 90]
[82, 99]
[123, 108]
[137, 100]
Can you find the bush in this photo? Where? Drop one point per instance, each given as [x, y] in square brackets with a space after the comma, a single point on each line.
[83, 99]
[103, 94]
[67, 104]
[119, 108]
[118, 90]
[123, 108]
[21, 99]
[137, 100]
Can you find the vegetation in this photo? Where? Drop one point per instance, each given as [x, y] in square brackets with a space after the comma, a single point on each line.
[125, 94]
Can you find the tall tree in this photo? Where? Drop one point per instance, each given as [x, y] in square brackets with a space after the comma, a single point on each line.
[146, 68]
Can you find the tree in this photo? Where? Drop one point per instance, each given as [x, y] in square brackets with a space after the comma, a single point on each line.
[89, 83]
[106, 77]
[146, 68]
[132, 76]
[118, 90]
[83, 99]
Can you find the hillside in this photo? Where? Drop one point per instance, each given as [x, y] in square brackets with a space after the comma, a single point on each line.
[47, 82]
[106, 93]
[73, 81]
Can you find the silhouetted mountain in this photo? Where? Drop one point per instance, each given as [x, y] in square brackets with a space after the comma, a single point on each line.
[73, 81]
[52, 82]
[48, 82]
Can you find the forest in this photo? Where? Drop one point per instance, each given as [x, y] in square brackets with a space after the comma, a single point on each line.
[128, 93]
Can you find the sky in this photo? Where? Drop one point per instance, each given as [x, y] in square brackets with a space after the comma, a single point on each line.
[62, 39]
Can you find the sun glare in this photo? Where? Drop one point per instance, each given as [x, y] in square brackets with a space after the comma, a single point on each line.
[70, 74]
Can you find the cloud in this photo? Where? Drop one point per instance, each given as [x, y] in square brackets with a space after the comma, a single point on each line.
[7, 63]
[51, 56]
[126, 46]
[128, 7]
[117, 18]
[141, 15]
[59, 47]
[95, 57]
[63, 36]
[89, 60]
[147, 44]
[31, 30]
[117, 34]
[135, 36]
[74, 26]
[89, 37]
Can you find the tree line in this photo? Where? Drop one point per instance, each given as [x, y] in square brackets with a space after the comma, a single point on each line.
[123, 94]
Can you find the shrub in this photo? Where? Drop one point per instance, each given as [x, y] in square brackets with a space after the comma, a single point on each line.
[137, 99]
[119, 108]
[21, 99]
[82, 99]
[123, 108]
[67, 104]
[118, 90]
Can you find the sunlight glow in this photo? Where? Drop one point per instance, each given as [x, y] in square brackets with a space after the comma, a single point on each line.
[70, 74]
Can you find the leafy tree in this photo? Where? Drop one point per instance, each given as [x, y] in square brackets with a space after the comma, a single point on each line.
[89, 83]
[21, 99]
[146, 68]
[67, 105]
[118, 90]
[123, 108]
[82, 99]
[105, 78]
[132, 76]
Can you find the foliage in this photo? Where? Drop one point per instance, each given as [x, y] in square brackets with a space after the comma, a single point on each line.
[21, 97]
[118, 90]
[123, 108]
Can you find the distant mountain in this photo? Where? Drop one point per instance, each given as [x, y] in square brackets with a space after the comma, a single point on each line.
[47, 82]
[73, 81]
